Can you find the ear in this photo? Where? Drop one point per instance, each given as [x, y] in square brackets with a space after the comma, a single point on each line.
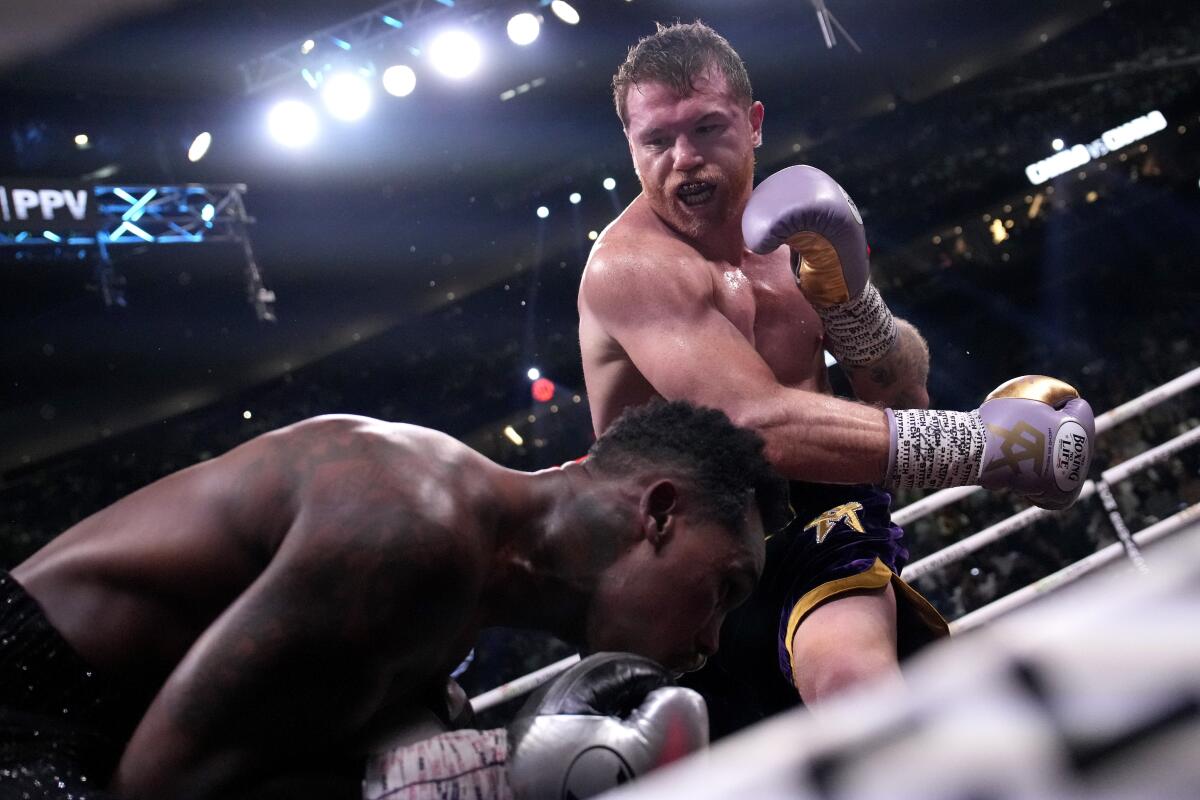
[657, 510]
[756, 120]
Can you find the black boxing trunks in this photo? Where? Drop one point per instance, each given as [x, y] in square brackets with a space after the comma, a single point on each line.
[842, 540]
[62, 726]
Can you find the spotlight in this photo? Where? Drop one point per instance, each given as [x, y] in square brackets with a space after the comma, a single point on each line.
[1058, 144]
[534, 373]
[575, 198]
[208, 212]
[292, 123]
[543, 212]
[307, 47]
[610, 184]
[399, 81]
[200, 146]
[82, 141]
[565, 11]
[455, 54]
[524, 28]
[347, 96]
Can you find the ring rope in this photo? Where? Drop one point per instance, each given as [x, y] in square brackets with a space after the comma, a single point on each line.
[927, 505]
[1028, 516]
[1118, 523]
[1115, 416]
[523, 685]
[1073, 571]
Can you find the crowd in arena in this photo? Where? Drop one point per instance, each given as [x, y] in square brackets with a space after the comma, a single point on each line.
[1047, 288]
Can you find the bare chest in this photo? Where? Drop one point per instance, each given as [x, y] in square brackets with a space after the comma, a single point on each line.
[762, 301]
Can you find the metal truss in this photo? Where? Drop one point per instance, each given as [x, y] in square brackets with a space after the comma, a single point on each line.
[361, 33]
[141, 215]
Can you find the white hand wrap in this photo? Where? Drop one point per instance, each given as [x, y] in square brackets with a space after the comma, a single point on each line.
[861, 331]
[458, 764]
[935, 449]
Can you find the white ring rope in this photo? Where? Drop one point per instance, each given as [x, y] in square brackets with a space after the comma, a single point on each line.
[1073, 571]
[1023, 519]
[1138, 405]
[927, 505]
[523, 685]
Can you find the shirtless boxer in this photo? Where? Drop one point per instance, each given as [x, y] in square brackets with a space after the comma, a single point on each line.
[245, 619]
[702, 291]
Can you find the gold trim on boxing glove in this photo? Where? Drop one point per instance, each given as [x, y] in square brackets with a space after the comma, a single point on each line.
[1050, 391]
[820, 272]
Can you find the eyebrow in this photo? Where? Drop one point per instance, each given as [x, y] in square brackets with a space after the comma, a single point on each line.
[656, 131]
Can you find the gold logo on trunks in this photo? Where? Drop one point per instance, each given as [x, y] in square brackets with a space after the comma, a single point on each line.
[846, 512]
[1022, 442]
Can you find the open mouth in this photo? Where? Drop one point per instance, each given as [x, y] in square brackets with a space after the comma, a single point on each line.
[695, 193]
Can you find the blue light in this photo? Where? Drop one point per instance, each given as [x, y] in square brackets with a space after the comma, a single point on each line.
[395, 23]
[138, 232]
[208, 212]
[342, 43]
[136, 210]
[22, 236]
[54, 237]
[447, 3]
[308, 78]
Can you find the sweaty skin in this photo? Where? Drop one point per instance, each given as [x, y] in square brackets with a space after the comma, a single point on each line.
[672, 303]
[265, 605]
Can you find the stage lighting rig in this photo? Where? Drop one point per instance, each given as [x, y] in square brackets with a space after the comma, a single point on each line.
[829, 23]
[367, 34]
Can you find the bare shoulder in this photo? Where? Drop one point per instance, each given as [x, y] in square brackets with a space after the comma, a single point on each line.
[637, 263]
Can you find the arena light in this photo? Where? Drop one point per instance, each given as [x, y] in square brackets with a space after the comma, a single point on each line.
[534, 373]
[199, 146]
[1058, 144]
[524, 28]
[292, 123]
[543, 212]
[610, 184]
[456, 54]
[565, 11]
[399, 80]
[575, 198]
[208, 212]
[347, 96]
[82, 141]
[511, 433]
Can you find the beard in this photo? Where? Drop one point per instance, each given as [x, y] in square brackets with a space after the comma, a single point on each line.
[730, 191]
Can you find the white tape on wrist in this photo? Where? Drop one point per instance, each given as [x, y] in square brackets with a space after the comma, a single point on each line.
[935, 449]
[860, 331]
[462, 763]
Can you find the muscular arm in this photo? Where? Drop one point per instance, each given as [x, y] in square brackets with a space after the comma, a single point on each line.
[898, 379]
[687, 350]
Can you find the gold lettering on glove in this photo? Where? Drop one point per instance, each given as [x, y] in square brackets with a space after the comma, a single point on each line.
[1022, 442]
[847, 513]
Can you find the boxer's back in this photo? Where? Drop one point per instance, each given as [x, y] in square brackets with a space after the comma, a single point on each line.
[639, 253]
[132, 586]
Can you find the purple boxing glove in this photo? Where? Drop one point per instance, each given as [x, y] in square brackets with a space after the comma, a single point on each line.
[808, 211]
[1032, 435]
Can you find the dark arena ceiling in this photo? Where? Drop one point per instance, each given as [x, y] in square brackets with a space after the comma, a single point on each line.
[426, 202]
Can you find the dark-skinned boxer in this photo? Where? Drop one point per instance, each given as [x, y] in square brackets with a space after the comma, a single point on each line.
[239, 626]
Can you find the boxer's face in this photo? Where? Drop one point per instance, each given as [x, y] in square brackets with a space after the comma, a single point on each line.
[668, 603]
[694, 155]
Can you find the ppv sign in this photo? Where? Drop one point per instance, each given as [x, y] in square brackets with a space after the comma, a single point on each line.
[35, 208]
